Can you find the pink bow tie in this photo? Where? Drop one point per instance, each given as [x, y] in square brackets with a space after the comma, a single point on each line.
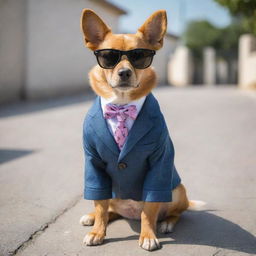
[121, 113]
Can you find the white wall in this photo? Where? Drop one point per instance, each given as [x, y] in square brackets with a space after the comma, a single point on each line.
[222, 71]
[161, 59]
[180, 67]
[57, 61]
[247, 62]
[42, 52]
[209, 66]
[12, 44]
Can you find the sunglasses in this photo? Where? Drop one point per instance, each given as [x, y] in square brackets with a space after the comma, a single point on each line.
[139, 58]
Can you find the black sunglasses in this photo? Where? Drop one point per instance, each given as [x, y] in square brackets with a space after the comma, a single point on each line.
[139, 58]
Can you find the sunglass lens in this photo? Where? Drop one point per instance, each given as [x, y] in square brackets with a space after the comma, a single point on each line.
[141, 58]
[108, 58]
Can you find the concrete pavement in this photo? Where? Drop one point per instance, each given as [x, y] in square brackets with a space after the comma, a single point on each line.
[41, 177]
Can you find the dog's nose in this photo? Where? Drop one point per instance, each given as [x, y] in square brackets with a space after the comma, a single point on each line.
[124, 73]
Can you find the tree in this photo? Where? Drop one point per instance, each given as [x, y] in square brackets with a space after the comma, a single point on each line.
[245, 9]
[200, 34]
[229, 39]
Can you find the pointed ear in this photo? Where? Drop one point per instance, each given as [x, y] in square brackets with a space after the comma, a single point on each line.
[154, 29]
[94, 29]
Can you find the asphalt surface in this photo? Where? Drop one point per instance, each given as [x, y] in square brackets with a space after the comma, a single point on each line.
[41, 176]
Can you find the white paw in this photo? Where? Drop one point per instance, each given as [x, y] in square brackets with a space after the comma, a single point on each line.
[86, 220]
[93, 239]
[165, 227]
[149, 244]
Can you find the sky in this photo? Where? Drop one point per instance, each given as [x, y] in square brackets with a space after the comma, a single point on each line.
[179, 13]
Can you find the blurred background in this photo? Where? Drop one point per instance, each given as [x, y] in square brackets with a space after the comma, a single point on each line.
[207, 93]
[210, 42]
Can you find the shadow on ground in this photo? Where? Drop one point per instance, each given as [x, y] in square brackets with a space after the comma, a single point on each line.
[11, 154]
[203, 228]
[30, 106]
[21, 108]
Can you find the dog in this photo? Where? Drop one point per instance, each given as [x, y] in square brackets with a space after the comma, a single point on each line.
[131, 174]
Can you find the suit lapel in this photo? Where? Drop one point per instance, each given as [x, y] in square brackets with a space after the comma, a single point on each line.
[141, 126]
[100, 127]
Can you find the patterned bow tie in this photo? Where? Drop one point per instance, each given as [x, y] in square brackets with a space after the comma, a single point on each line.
[121, 113]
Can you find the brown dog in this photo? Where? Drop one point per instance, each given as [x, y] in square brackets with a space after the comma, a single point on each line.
[108, 83]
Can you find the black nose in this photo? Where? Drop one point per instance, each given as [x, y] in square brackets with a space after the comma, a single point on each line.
[124, 73]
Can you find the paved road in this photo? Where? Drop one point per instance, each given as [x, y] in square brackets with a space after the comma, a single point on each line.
[214, 133]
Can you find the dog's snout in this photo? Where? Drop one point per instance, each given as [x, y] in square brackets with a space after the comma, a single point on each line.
[124, 73]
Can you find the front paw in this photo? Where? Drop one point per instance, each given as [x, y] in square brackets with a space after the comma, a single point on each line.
[93, 238]
[87, 220]
[149, 243]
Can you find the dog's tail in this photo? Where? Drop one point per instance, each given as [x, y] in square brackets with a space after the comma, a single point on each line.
[196, 205]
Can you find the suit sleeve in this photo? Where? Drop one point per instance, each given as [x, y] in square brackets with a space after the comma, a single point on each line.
[162, 176]
[98, 185]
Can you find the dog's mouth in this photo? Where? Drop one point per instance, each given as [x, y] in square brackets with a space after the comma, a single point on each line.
[125, 86]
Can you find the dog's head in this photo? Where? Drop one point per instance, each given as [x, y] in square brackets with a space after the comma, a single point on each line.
[124, 59]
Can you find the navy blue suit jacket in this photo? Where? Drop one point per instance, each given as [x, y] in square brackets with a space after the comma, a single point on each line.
[144, 169]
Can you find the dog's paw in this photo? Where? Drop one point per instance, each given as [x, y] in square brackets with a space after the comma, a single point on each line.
[165, 227]
[93, 239]
[149, 244]
[87, 220]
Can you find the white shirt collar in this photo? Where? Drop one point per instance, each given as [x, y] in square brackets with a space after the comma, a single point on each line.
[138, 103]
[113, 122]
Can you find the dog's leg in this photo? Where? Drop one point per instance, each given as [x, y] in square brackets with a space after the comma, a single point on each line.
[166, 226]
[148, 240]
[88, 219]
[180, 203]
[98, 232]
[113, 216]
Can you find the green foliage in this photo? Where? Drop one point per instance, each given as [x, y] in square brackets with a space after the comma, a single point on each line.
[246, 7]
[242, 8]
[229, 38]
[200, 34]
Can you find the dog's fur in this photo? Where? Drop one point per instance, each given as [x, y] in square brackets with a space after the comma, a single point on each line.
[107, 83]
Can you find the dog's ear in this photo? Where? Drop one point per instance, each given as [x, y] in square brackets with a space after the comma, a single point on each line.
[94, 28]
[154, 29]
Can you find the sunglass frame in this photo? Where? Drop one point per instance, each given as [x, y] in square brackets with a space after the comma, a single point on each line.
[126, 53]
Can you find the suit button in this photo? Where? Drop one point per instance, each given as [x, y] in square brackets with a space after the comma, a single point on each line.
[122, 166]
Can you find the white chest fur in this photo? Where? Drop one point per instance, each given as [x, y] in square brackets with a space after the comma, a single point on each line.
[131, 209]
